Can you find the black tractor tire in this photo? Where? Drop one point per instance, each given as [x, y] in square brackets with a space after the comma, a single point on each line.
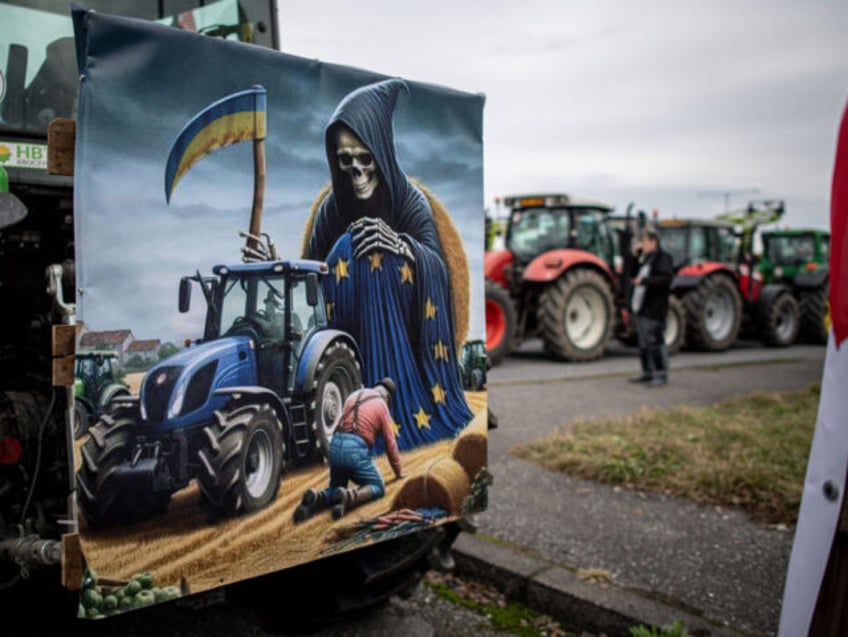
[104, 500]
[241, 460]
[675, 325]
[501, 323]
[82, 418]
[478, 381]
[813, 309]
[337, 375]
[781, 321]
[713, 314]
[576, 315]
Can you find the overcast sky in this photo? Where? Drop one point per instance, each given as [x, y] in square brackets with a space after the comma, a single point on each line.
[678, 106]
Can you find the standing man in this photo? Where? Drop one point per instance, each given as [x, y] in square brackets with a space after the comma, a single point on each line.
[364, 418]
[652, 272]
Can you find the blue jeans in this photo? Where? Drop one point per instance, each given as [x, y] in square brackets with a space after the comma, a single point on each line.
[350, 461]
[652, 348]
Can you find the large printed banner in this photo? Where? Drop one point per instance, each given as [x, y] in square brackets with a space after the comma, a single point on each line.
[279, 272]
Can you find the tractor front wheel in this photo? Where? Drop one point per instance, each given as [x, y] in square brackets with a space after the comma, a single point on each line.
[781, 321]
[241, 460]
[104, 498]
[337, 375]
[575, 313]
[500, 322]
[713, 314]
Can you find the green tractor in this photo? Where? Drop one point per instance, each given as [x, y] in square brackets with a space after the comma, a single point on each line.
[474, 364]
[96, 383]
[798, 259]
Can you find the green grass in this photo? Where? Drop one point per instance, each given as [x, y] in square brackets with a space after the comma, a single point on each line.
[749, 452]
[503, 614]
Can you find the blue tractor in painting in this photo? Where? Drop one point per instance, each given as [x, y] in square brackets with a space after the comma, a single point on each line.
[262, 391]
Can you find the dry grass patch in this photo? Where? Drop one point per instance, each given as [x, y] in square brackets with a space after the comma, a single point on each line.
[749, 452]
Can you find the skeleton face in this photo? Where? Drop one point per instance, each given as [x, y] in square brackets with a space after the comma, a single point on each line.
[358, 163]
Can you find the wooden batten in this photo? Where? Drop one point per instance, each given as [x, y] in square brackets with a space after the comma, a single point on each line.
[61, 144]
[72, 561]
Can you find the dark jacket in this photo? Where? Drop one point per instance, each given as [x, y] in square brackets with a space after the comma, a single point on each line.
[657, 284]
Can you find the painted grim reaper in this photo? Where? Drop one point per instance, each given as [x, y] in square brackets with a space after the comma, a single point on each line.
[394, 258]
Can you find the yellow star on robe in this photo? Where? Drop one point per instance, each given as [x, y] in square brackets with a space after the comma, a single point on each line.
[438, 393]
[422, 419]
[440, 350]
[405, 273]
[341, 270]
[430, 310]
[330, 311]
[376, 261]
[396, 428]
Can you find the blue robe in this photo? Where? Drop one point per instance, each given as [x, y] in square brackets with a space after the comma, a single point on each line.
[399, 311]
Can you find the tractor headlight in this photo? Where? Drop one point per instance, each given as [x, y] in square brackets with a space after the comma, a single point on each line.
[177, 403]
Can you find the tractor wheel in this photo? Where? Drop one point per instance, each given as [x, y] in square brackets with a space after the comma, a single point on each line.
[575, 314]
[241, 460]
[103, 500]
[500, 322]
[337, 375]
[713, 314]
[477, 380]
[82, 419]
[675, 325]
[781, 321]
[814, 315]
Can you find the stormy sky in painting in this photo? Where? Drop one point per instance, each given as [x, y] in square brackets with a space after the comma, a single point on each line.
[135, 98]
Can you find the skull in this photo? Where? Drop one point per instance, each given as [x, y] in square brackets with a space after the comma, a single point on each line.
[358, 163]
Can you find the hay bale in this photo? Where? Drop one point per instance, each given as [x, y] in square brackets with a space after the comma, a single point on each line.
[443, 484]
[471, 452]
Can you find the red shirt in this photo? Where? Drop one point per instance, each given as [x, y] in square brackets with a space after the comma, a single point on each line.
[374, 419]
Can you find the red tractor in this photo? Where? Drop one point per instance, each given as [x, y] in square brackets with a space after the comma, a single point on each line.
[722, 293]
[558, 278]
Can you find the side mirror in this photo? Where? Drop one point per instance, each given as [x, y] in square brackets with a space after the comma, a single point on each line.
[312, 289]
[185, 295]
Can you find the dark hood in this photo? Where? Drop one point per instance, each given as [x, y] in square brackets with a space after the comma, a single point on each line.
[368, 112]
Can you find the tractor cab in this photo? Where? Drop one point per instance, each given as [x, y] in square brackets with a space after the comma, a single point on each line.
[539, 224]
[790, 252]
[278, 305]
[691, 242]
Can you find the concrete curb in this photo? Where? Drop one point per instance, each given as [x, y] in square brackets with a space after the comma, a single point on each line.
[559, 592]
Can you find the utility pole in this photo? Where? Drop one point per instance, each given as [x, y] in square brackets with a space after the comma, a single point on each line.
[727, 194]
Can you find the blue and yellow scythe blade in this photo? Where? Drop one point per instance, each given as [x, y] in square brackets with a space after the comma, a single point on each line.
[235, 118]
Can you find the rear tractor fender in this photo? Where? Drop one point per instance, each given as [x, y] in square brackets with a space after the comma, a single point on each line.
[312, 353]
[551, 265]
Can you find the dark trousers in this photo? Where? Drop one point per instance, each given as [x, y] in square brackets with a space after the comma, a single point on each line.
[652, 349]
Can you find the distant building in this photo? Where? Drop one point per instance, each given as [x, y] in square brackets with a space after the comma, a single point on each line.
[148, 350]
[117, 341]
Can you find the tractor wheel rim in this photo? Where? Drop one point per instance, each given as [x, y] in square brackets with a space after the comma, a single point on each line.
[785, 323]
[585, 318]
[332, 401]
[259, 463]
[672, 329]
[495, 325]
[719, 315]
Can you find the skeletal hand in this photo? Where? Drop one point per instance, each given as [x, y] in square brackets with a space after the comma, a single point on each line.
[369, 234]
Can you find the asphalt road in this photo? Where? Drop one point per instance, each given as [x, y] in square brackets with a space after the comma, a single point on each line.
[713, 562]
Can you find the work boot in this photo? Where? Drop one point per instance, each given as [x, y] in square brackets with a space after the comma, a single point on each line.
[313, 501]
[346, 499]
[647, 367]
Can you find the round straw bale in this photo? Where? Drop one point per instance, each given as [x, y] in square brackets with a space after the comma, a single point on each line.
[470, 451]
[442, 484]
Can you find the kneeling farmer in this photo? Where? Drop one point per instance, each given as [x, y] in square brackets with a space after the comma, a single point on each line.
[365, 416]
